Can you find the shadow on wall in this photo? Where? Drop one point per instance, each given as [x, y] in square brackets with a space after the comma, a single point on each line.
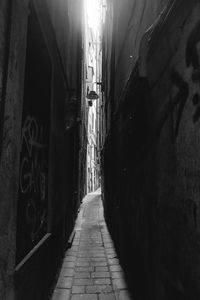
[151, 166]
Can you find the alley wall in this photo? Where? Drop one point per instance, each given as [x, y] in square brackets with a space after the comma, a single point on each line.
[151, 156]
[40, 100]
[12, 51]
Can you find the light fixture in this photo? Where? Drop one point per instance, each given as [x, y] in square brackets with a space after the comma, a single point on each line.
[92, 95]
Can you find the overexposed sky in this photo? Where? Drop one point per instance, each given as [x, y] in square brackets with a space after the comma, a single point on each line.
[93, 13]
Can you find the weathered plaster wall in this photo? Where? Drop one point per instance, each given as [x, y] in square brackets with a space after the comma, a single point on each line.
[175, 97]
[68, 30]
[63, 45]
[12, 55]
[124, 26]
[151, 164]
[62, 36]
[131, 20]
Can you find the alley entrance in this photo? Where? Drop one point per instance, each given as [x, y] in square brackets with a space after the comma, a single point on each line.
[90, 269]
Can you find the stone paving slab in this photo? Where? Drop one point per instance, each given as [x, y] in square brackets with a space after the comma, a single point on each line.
[91, 269]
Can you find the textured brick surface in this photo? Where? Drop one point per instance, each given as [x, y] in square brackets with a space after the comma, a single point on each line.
[64, 282]
[61, 294]
[99, 264]
[119, 283]
[107, 297]
[82, 275]
[101, 269]
[113, 261]
[82, 264]
[115, 268]
[100, 274]
[82, 281]
[85, 269]
[91, 270]
[117, 275]
[67, 272]
[98, 289]
[102, 281]
[69, 258]
[84, 297]
[68, 264]
[78, 289]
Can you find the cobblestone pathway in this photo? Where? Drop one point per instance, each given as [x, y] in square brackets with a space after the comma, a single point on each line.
[90, 269]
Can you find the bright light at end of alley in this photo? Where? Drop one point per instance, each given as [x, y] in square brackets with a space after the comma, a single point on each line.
[92, 8]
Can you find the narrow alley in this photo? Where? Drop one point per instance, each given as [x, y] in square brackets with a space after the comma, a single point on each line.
[90, 269]
[100, 149]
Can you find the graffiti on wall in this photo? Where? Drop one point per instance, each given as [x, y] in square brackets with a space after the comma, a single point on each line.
[33, 177]
[186, 89]
[181, 96]
[192, 60]
[34, 159]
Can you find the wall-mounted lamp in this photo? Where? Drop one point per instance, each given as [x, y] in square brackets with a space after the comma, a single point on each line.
[92, 95]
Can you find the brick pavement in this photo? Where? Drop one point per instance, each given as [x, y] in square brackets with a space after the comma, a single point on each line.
[91, 269]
